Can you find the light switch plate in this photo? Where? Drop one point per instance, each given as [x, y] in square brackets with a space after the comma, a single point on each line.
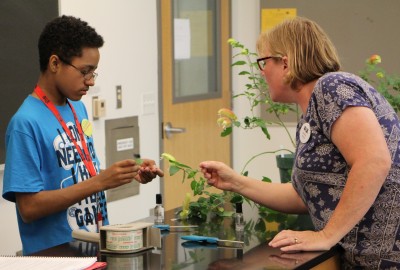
[118, 90]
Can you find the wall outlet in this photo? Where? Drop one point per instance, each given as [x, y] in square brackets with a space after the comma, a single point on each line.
[98, 107]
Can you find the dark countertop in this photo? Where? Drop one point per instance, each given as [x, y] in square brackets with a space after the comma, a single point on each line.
[176, 253]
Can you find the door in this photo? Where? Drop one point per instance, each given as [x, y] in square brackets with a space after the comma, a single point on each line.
[195, 75]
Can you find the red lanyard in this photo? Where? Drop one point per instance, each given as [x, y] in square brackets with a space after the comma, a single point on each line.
[85, 156]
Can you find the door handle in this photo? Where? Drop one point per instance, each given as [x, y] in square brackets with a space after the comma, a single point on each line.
[169, 130]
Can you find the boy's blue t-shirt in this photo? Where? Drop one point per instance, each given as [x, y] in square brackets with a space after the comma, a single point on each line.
[40, 157]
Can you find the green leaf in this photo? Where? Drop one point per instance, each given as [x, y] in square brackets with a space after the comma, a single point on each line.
[178, 164]
[247, 121]
[226, 214]
[266, 179]
[236, 198]
[192, 174]
[259, 122]
[193, 185]
[244, 72]
[173, 170]
[239, 63]
[139, 161]
[260, 225]
[265, 131]
[236, 123]
[226, 132]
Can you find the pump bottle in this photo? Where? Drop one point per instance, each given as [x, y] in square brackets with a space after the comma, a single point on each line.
[158, 210]
[239, 219]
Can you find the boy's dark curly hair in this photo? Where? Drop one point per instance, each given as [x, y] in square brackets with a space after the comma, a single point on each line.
[66, 36]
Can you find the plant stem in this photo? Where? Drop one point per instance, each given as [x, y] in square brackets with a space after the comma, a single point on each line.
[286, 129]
[263, 153]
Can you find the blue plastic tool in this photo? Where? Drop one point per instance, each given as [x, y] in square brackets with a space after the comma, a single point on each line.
[198, 238]
[166, 227]
[213, 240]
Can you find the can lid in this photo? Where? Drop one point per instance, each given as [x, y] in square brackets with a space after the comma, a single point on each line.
[158, 198]
[239, 207]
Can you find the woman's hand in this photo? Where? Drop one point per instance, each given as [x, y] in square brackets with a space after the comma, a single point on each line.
[294, 241]
[219, 175]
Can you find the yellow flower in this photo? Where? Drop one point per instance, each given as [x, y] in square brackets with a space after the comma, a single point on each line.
[374, 59]
[168, 157]
[185, 207]
[231, 41]
[224, 122]
[380, 75]
[227, 113]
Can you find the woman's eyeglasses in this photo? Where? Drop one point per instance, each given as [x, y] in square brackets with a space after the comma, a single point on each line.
[261, 62]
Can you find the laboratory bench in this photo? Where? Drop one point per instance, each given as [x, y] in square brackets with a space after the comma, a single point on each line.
[175, 253]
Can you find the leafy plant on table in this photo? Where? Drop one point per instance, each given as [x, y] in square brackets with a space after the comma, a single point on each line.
[210, 203]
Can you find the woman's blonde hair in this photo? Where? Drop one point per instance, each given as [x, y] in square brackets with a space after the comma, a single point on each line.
[310, 52]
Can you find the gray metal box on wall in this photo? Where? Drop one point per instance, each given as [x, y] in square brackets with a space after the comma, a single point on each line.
[122, 142]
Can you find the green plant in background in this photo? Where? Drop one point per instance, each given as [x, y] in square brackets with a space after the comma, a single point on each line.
[227, 119]
[388, 85]
[256, 93]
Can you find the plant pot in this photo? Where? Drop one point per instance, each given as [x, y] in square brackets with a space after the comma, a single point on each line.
[285, 164]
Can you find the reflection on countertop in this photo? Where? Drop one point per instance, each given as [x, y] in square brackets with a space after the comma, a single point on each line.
[176, 253]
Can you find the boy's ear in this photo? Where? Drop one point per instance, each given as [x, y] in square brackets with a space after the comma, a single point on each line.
[53, 62]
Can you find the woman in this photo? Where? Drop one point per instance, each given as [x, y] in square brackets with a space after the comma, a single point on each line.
[347, 162]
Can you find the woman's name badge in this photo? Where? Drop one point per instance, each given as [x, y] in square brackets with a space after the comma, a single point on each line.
[305, 132]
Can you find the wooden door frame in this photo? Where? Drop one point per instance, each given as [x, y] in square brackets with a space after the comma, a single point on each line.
[165, 45]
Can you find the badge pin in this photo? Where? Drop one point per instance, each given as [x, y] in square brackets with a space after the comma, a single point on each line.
[305, 132]
[87, 127]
